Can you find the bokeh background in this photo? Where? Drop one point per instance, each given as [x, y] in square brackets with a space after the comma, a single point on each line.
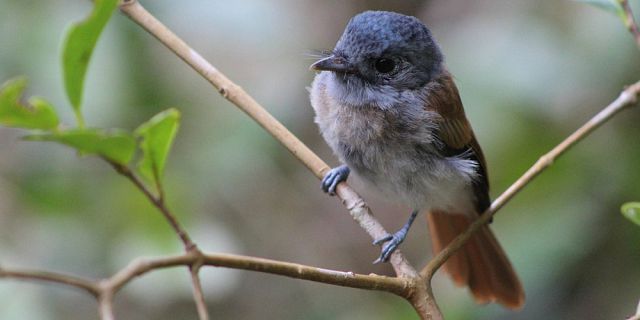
[529, 72]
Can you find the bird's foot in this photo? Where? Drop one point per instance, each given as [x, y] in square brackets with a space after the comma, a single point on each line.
[333, 177]
[391, 243]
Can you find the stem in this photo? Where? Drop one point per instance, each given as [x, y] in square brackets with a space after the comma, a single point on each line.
[157, 201]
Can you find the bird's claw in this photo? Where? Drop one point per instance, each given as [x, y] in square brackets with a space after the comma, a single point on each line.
[391, 243]
[333, 178]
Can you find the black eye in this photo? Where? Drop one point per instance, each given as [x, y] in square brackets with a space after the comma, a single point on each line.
[385, 65]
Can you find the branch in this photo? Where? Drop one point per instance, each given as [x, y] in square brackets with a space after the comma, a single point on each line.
[629, 21]
[48, 276]
[158, 202]
[627, 98]
[193, 259]
[105, 301]
[236, 95]
[201, 305]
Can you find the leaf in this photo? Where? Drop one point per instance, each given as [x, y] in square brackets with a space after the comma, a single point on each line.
[78, 47]
[157, 135]
[36, 113]
[631, 210]
[612, 6]
[115, 145]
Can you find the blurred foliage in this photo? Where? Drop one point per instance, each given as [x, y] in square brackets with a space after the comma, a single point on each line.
[529, 72]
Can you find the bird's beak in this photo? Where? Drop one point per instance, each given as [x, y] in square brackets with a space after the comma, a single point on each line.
[333, 63]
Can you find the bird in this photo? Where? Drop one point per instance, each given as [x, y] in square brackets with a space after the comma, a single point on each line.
[388, 107]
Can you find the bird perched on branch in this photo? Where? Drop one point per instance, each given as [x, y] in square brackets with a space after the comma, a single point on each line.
[387, 106]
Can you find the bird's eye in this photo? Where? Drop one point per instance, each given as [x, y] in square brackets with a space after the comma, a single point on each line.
[385, 65]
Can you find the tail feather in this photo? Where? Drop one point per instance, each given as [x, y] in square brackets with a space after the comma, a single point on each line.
[458, 264]
[480, 264]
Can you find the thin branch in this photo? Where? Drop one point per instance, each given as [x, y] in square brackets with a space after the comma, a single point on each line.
[347, 279]
[157, 201]
[106, 288]
[48, 276]
[630, 21]
[197, 292]
[626, 99]
[235, 94]
[105, 306]
[398, 286]
[189, 246]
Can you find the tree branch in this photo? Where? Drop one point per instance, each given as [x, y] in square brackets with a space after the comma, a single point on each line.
[627, 98]
[48, 276]
[193, 259]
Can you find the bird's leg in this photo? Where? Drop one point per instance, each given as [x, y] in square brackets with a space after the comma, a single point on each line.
[333, 177]
[393, 241]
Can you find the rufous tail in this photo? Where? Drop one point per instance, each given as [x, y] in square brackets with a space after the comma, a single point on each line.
[480, 265]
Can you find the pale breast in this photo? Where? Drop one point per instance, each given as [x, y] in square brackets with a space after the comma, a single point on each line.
[394, 150]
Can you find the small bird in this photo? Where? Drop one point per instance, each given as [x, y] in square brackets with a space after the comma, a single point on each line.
[387, 106]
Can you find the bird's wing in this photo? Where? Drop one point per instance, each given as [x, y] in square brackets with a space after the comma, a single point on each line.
[456, 135]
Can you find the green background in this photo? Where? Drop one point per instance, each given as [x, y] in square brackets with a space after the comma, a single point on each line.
[529, 72]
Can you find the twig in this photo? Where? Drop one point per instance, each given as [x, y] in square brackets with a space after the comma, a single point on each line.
[189, 246]
[157, 201]
[627, 98]
[629, 21]
[198, 295]
[48, 276]
[235, 94]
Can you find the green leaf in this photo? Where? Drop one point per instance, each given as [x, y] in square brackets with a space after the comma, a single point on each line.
[78, 47]
[612, 6]
[115, 145]
[631, 210]
[36, 113]
[157, 135]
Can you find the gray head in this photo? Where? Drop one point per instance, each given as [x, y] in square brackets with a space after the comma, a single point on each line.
[387, 49]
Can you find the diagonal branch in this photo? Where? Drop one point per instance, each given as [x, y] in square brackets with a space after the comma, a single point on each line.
[157, 201]
[235, 94]
[627, 98]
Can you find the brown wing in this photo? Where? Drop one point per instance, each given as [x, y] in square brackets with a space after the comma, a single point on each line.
[456, 134]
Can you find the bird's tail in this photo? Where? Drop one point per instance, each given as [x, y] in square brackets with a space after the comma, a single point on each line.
[480, 265]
